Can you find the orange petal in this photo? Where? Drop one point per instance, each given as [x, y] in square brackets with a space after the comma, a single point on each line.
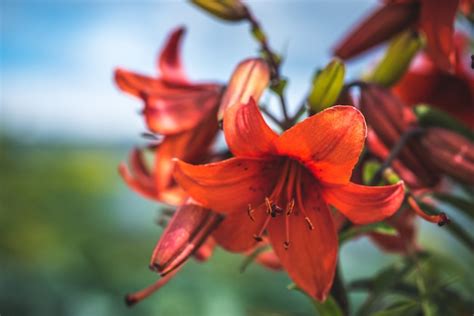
[191, 146]
[236, 231]
[246, 132]
[138, 178]
[269, 260]
[178, 108]
[380, 26]
[230, 185]
[169, 62]
[437, 22]
[328, 143]
[248, 80]
[311, 256]
[136, 84]
[365, 204]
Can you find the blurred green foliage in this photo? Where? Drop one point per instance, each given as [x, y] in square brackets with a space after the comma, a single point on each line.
[74, 240]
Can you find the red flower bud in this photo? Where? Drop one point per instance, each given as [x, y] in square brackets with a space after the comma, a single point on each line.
[450, 152]
[390, 119]
[189, 228]
[249, 79]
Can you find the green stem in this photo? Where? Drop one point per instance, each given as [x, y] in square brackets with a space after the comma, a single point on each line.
[339, 293]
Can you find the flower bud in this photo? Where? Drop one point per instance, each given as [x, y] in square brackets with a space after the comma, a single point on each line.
[186, 232]
[396, 60]
[230, 10]
[327, 85]
[249, 79]
[390, 119]
[450, 152]
[383, 24]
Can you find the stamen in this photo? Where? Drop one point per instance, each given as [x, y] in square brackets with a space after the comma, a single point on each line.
[250, 211]
[289, 210]
[268, 204]
[258, 237]
[310, 225]
[290, 207]
[440, 219]
[132, 299]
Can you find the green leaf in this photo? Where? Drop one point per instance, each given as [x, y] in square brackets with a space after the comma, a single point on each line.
[396, 60]
[431, 117]
[452, 227]
[370, 169]
[327, 308]
[327, 86]
[405, 308]
[381, 228]
[463, 204]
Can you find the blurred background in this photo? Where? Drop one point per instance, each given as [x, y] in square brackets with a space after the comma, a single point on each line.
[73, 238]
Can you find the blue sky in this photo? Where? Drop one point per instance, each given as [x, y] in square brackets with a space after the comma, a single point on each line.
[57, 57]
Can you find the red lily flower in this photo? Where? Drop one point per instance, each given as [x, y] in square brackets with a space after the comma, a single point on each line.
[434, 18]
[425, 82]
[283, 185]
[172, 104]
[183, 112]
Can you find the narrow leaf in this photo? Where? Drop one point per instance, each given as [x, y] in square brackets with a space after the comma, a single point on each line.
[405, 308]
[381, 228]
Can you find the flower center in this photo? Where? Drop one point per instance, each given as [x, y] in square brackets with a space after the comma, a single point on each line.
[281, 202]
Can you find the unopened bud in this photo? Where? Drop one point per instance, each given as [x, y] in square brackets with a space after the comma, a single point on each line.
[189, 228]
[327, 86]
[450, 152]
[249, 79]
[396, 60]
[229, 10]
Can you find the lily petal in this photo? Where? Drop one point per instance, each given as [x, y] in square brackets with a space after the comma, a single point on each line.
[328, 143]
[230, 185]
[136, 84]
[246, 132]
[311, 256]
[236, 231]
[179, 108]
[169, 62]
[365, 204]
[138, 177]
[437, 22]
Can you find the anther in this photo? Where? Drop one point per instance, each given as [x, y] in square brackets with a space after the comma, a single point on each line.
[310, 225]
[443, 219]
[250, 211]
[290, 207]
[257, 238]
[286, 244]
[268, 204]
